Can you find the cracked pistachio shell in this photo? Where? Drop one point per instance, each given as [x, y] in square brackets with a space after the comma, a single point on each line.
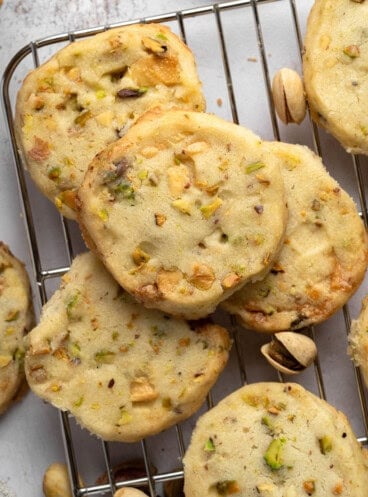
[288, 96]
[299, 348]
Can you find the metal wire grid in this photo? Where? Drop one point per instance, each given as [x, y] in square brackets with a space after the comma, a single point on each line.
[43, 275]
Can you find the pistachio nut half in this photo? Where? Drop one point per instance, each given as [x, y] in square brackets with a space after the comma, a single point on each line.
[290, 352]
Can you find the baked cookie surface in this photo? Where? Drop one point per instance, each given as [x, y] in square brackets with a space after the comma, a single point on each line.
[358, 340]
[335, 67]
[324, 256]
[16, 318]
[89, 92]
[123, 371]
[273, 439]
[183, 210]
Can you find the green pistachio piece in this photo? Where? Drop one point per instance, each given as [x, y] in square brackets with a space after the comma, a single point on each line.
[82, 119]
[209, 209]
[54, 173]
[254, 166]
[104, 356]
[325, 444]
[227, 487]
[273, 454]
[71, 304]
[209, 446]
[124, 190]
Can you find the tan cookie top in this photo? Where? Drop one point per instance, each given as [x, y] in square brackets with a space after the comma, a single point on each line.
[324, 256]
[358, 340]
[335, 67]
[183, 210]
[274, 440]
[89, 93]
[16, 318]
[123, 371]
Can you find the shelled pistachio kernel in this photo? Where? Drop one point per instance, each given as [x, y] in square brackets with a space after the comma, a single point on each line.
[288, 96]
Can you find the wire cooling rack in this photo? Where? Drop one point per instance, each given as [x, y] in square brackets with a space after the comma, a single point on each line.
[238, 46]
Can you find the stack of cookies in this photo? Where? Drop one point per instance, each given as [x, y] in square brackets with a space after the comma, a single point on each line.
[183, 212]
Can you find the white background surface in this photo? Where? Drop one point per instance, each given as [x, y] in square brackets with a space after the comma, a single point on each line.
[30, 438]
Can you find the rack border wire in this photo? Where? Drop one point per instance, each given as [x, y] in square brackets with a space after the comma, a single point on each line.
[42, 275]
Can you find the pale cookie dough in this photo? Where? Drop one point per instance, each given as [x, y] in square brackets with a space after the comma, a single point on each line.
[16, 318]
[358, 340]
[324, 256]
[123, 371]
[274, 440]
[89, 93]
[335, 69]
[184, 210]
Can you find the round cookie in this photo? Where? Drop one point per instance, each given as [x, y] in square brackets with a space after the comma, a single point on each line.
[16, 318]
[89, 93]
[274, 439]
[123, 371]
[358, 340]
[183, 210]
[324, 256]
[335, 67]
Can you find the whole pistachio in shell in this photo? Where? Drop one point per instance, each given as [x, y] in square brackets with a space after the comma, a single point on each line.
[290, 352]
[288, 96]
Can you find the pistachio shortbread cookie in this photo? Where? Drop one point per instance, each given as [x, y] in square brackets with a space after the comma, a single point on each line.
[123, 371]
[324, 256]
[16, 318]
[335, 67]
[183, 210]
[88, 93]
[274, 439]
[358, 340]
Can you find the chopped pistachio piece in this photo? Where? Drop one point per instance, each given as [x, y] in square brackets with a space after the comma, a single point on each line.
[267, 422]
[74, 349]
[352, 51]
[182, 205]
[100, 94]
[161, 36]
[104, 356]
[82, 119]
[254, 166]
[139, 256]
[209, 446]
[154, 46]
[325, 444]
[71, 304]
[103, 215]
[12, 316]
[125, 418]
[209, 209]
[273, 454]
[54, 173]
[79, 402]
[124, 190]
[227, 487]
